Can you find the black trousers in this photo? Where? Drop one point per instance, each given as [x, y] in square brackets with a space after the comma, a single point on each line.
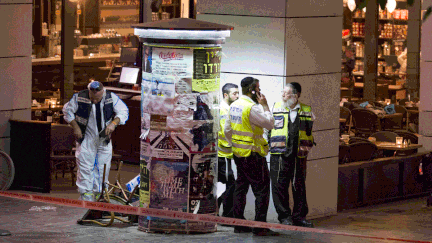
[283, 171]
[227, 198]
[252, 171]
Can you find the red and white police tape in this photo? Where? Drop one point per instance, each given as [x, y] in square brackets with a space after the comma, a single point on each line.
[180, 215]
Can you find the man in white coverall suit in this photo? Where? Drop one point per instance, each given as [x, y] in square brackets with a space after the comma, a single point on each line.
[94, 147]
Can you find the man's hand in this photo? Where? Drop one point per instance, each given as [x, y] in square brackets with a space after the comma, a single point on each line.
[78, 133]
[262, 101]
[109, 129]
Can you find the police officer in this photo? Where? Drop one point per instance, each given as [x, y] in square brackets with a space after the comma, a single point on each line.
[290, 141]
[244, 129]
[230, 94]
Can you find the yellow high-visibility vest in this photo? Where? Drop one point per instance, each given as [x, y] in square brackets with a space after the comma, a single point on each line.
[224, 150]
[279, 134]
[245, 139]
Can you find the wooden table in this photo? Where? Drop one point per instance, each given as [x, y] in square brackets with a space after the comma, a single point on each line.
[45, 108]
[393, 146]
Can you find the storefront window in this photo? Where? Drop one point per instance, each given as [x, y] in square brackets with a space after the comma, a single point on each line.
[104, 41]
[392, 53]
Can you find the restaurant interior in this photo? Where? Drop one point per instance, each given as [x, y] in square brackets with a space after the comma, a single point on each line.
[379, 156]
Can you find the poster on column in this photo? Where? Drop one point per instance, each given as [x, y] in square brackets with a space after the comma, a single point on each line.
[158, 94]
[144, 194]
[202, 189]
[168, 145]
[147, 58]
[172, 62]
[169, 192]
[203, 137]
[144, 139]
[207, 63]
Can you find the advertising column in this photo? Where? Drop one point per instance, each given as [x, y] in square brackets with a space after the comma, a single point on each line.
[179, 111]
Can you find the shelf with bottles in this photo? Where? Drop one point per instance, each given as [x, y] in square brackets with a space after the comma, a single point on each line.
[169, 3]
[172, 7]
[384, 15]
[160, 16]
[119, 4]
[393, 21]
[387, 31]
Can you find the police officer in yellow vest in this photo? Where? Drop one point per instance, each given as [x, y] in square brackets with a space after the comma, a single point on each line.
[230, 94]
[290, 141]
[244, 129]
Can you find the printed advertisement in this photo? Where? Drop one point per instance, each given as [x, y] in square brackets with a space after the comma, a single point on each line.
[145, 147]
[186, 102]
[144, 182]
[158, 85]
[205, 106]
[184, 86]
[144, 140]
[204, 140]
[171, 61]
[202, 189]
[158, 122]
[157, 94]
[168, 145]
[147, 59]
[180, 121]
[206, 64]
[169, 191]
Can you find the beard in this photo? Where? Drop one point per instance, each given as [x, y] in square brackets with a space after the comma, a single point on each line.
[230, 101]
[289, 103]
[255, 98]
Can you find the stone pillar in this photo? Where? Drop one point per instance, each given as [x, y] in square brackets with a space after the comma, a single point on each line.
[425, 116]
[371, 52]
[413, 46]
[67, 46]
[282, 41]
[15, 65]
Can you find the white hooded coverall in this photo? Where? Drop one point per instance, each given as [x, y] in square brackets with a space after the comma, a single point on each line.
[92, 154]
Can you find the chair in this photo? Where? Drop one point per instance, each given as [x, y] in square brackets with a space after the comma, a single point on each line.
[385, 136]
[392, 123]
[403, 101]
[117, 159]
[407, 135]
[405, 114]
[345, 113]
[413, 128]
[362, 151]
[62, 143]
[344, 154]
[365, 121]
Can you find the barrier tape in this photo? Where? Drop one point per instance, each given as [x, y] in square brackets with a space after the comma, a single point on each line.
[181, 215]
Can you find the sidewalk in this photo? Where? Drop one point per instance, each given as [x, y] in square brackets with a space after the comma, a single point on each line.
[409, 220]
